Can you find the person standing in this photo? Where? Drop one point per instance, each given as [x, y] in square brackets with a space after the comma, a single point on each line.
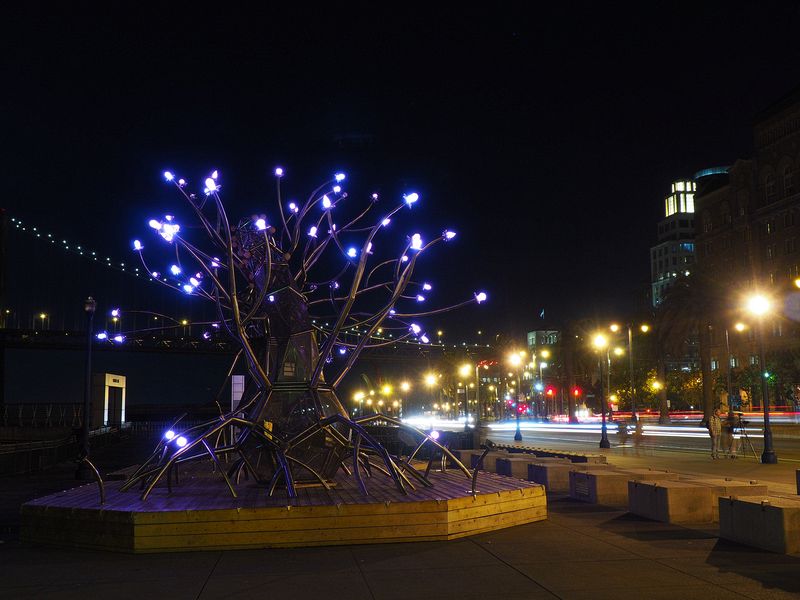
[715, 431]
[728, 438]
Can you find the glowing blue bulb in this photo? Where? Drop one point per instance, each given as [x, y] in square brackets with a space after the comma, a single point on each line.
[424, 339]
[211, 186]
[181, 182]
[137, 245]
[261, 224]
[326, 202]
[386, 221]
[339, 177]
[335, 285]
[155, 274]
[119, 338]
[271, 298]
[154, 224]
[169, 218]
[416, 242]
[293, 207]
[181, 441]
[215, 263]
[214, 175]
[352, 252]
[480, 297]
[434, 435]
[188, 288]
[175, 270]
[313, 231]
[206, 335]
[168, 176]
[427, 287]
[415, 328]
[369, 248]
[449, 235]
[169, 230]
[116, 312]
[102, 335]
[392, 311]
[404, 258]
[215, 325]
[169, 435]
[420, 298]
[342, 350]
[194, 281]
[411, 198]
[374, 197]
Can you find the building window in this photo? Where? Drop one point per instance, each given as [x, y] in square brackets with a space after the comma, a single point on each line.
[769, 188]
[288, 369]
[714, 364]
[788, 180]
[771, 251]
[769, 227]
[772, 278]
[753, 359]
[707, 225]
[734, 362]
[788, 219]
[777, 329]
[790, 245]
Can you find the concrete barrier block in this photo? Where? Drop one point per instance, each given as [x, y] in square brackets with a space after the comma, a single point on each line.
[517, 466]
[609, 486]
[671, 501]
[767, 522]
[723, 488]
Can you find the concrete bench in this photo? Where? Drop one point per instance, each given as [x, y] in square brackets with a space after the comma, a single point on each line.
[770, 523]
[554, 476]
[610, 486]
[687, 501]
[518, 466]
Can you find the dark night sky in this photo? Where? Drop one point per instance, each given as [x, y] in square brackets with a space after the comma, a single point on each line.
[547, 138]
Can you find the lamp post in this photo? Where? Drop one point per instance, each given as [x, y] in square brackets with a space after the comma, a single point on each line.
[516, 361]
[84, 472]
[758, 306]
[600, 342]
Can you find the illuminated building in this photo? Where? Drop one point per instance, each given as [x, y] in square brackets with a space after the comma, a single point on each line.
[674, 253]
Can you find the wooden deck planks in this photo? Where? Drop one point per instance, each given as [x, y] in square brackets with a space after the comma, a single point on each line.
[200, 514]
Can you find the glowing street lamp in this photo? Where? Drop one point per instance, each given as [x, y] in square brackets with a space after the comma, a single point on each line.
[516, 360]
[600, 343]
[759, 306]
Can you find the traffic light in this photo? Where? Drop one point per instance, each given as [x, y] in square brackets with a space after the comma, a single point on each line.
[550, 391]
[576, 391]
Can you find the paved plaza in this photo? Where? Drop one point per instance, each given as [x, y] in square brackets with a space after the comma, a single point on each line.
[581, 551]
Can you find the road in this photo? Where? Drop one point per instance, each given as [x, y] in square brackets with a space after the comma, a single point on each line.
[690, 438]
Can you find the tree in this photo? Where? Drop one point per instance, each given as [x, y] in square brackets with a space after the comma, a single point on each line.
[686, 312]
[303, 296]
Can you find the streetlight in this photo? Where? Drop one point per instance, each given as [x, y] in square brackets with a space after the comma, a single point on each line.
[759, 305]
[515, 360]
[600, 342]
[84, 472]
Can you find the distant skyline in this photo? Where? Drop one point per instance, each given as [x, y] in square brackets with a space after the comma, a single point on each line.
[548, 140]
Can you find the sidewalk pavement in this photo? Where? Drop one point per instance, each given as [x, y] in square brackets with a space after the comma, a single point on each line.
[580, 551]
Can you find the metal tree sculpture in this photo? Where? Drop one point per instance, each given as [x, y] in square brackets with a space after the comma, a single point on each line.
[258, 274]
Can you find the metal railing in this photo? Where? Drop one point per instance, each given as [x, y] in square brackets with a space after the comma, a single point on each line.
[52, 414]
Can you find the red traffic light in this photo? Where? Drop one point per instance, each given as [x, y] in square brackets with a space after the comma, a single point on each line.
[576, 391]
[550, 390]
[522, 408]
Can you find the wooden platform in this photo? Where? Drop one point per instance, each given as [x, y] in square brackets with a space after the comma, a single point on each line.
[200, 514]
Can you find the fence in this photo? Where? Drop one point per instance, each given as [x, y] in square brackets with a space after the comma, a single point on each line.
[41, 415]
